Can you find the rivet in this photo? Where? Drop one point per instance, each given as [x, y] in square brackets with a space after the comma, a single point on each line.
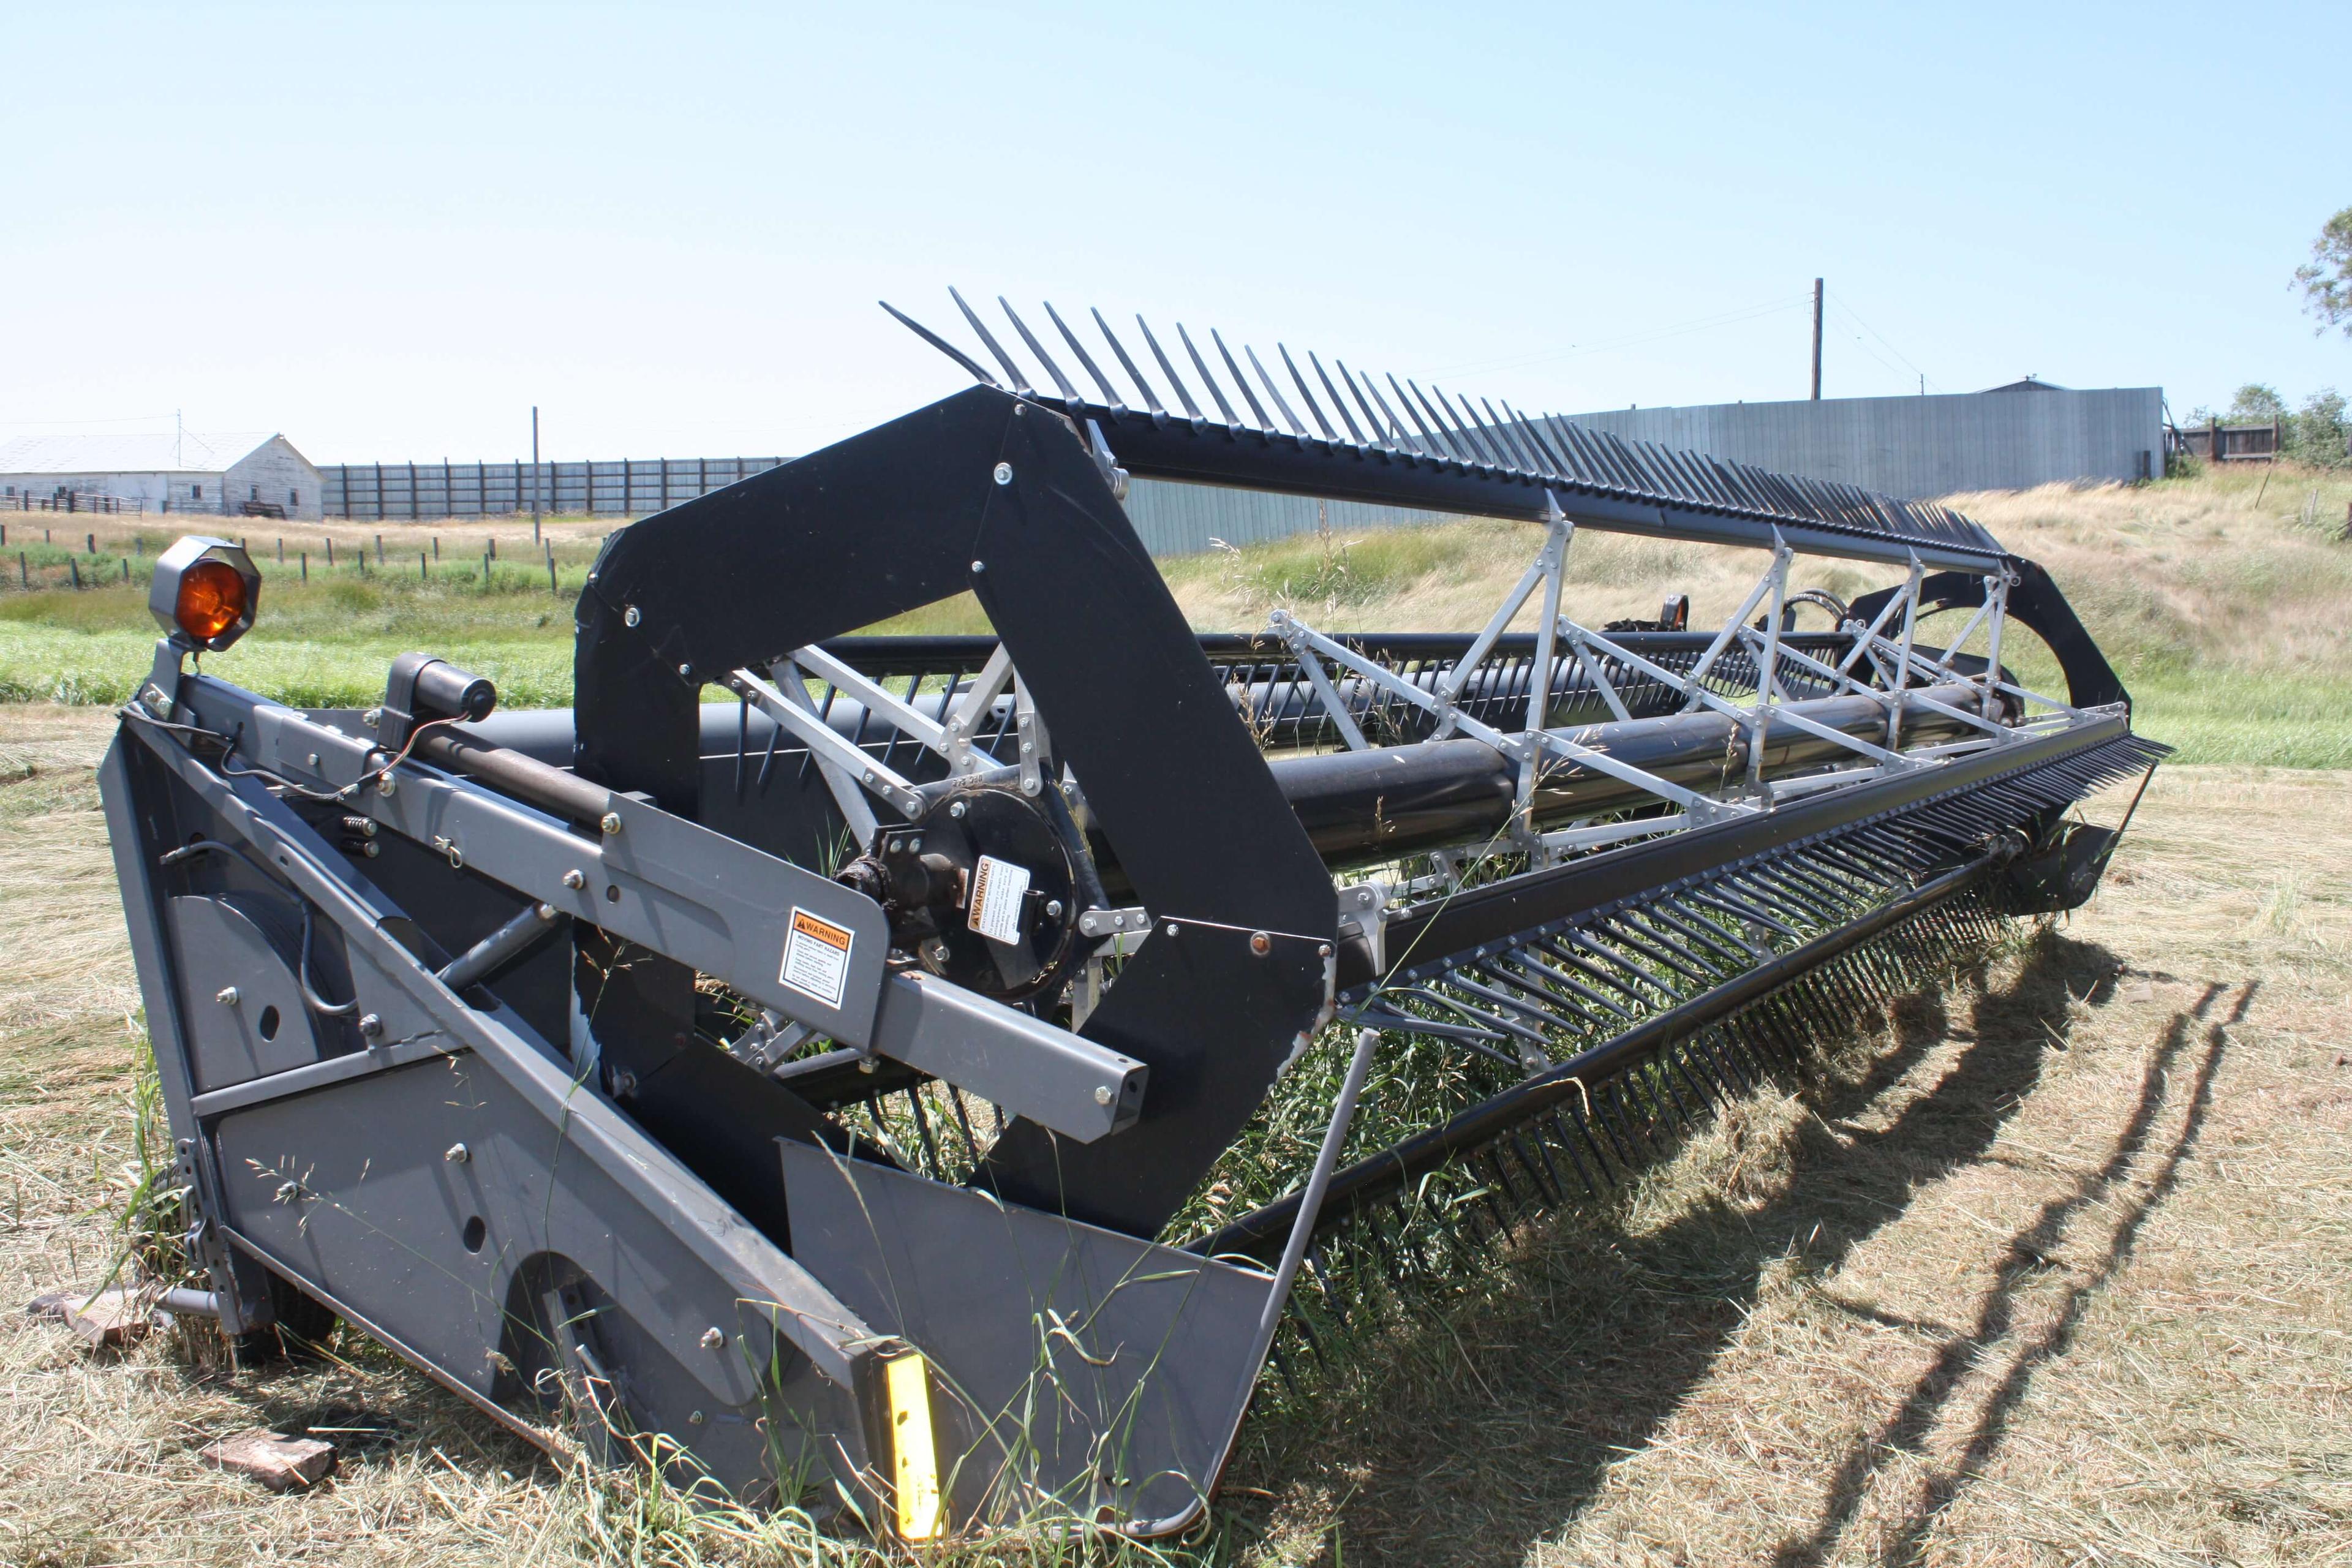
[314, 762]
[1261, 943]
[979, 566]
[713, 1337]
[610, 824]
[1102, 1094]
[1323, 951]
[226, 996]
[575, 878]
[695, 1420]
[1004, 475]
[1171, 927]
[631, 616]
[686, 672]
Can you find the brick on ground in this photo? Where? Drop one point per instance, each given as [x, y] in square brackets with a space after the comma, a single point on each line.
[277, 1461]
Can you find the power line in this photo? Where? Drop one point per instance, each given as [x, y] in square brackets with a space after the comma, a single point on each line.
[1873, 332]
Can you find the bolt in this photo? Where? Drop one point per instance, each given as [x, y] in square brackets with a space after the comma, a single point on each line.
[457, 1154]
[371, 718]
[1053, 908]
[1004, 473]
[1323, 950]
[575, 878]
[314, 762]
[979, 566]
[632, 616]
[694, 1418]
[386, 783]
[226, 996]
[1171, 927]
[1102, 1094]
[713, 1337]
[371, 1026]
[610, 824]
[686, 672]
[1261, 943]
[956, 809]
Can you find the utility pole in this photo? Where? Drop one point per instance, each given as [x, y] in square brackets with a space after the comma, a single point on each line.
[534, 449]
[1817, 340]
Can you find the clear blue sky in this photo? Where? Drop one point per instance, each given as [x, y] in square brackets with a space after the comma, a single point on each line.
[389, 230]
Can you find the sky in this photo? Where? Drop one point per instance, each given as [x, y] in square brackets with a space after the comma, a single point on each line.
[388, 231]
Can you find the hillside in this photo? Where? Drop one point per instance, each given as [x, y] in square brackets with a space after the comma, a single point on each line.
[2219, 598]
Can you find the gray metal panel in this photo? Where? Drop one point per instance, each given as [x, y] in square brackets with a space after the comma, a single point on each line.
[1075, 1362]
[1922, 446]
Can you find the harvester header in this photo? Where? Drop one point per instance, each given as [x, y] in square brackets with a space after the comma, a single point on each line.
[875, 1062]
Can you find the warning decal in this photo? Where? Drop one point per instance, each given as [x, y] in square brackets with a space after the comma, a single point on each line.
[997, 889]
[816, 958]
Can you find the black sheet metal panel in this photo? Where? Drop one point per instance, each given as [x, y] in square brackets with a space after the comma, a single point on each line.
[906, 514]
[1214, 1019]
[1079, 1367]
[2034, 603]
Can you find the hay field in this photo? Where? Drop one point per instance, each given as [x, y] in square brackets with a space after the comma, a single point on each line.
[2056, 1270]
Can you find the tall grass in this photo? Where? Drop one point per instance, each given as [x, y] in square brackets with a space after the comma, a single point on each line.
[2219, 598]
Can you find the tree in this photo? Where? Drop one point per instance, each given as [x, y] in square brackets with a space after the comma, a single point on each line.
[2255, 405]
[2326, 279]
[2318, 434]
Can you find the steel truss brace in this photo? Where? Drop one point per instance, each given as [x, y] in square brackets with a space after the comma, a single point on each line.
[849, 772]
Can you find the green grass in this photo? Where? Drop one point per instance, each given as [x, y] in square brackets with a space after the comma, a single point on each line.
[2218, 598]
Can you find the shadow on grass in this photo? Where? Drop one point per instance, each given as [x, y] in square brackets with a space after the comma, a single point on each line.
[1497, 1427]
[2027, 1256]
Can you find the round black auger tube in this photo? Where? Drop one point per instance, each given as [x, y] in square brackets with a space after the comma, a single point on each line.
[1368, 1180]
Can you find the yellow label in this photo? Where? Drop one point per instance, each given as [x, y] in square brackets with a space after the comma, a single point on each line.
[916, 1459]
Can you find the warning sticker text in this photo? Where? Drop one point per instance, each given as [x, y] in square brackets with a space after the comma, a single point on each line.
[816, 958]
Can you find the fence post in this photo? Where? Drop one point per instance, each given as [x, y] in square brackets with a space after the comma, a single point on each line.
[24, 569]
[379, 549]
[73, 565]
[306, 565]
[330, 549]
[550, 570]
[423, 573]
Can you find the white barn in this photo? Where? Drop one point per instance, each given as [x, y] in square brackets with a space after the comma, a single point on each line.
[229, 475]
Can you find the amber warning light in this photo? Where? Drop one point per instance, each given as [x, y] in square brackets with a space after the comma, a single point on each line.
[204, 593]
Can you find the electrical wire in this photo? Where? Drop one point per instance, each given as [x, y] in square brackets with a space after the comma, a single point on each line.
[310, 997]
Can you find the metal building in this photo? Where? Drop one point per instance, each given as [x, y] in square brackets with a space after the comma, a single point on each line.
[2012, 438]
[247, 474]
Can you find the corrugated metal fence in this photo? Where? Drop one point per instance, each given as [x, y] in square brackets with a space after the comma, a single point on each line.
[1920, 447]
[622, 487]
[1172, 519]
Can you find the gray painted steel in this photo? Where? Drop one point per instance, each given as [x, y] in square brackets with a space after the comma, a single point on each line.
[1921, 446]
